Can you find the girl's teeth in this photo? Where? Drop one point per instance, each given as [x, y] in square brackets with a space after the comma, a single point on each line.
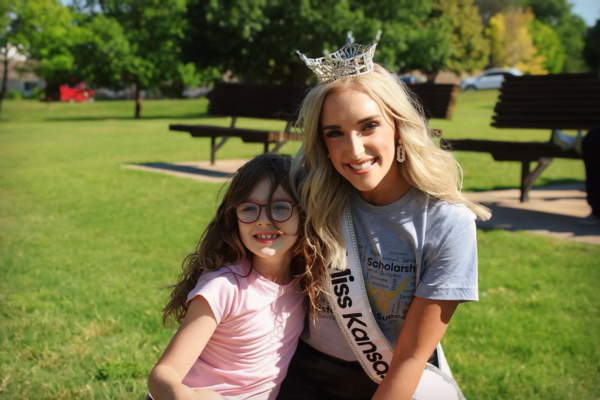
[363, 165]
[266, 236]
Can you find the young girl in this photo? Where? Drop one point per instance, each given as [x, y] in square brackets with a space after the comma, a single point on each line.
[239, 298]
[398, 238]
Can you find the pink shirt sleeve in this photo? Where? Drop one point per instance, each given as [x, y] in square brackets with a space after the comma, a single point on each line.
[220, 289]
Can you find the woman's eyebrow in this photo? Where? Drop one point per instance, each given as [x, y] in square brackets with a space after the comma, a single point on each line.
[360, 121]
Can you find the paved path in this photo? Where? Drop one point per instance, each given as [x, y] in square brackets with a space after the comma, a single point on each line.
[552, 211]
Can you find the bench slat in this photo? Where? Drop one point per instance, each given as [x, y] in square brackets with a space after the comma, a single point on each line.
[559, 101]
[512, 151]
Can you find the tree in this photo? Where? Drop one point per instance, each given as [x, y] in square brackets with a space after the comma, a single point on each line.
[469, 50]
[103, 54]
[430, 45]
[548, 44]
[489, 8]
[153, 30]
[591, 51]
[569, 27]
[511, 43]
[572, 29]
[7, 42]
[256, 39]
[45, 32]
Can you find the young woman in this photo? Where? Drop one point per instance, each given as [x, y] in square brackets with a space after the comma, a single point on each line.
[385, 199]
[239, 298]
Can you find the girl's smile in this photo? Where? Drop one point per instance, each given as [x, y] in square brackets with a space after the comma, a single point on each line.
[271, 245]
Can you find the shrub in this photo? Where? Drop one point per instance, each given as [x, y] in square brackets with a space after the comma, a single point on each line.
[13, 94]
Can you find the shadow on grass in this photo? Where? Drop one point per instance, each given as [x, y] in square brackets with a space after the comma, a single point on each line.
[557, 225]
[182, 169]
[556, 184]
[122, 118]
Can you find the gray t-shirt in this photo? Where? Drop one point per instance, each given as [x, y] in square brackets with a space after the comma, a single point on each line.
[417, 246]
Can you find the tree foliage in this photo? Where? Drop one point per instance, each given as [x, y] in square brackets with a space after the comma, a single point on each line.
[257, 39]
[45, 31]
[469, 50]
[548, 45]
[153, 30]
[591, 51]
[511, 43]
[489, 8]
[7, 42]
[569, 27]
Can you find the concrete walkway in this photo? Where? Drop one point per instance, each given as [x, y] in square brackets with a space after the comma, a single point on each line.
[552, 211]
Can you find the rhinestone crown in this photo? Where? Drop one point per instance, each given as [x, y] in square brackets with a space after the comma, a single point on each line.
[351, 60]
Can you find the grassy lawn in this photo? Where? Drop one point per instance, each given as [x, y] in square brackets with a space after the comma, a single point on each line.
[87, 248]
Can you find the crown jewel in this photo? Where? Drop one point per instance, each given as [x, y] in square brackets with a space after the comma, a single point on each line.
[351, 60]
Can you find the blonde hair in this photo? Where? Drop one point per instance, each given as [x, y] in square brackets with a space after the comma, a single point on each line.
[324, 193]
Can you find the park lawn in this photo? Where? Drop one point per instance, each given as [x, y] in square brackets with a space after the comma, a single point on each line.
[88, 247]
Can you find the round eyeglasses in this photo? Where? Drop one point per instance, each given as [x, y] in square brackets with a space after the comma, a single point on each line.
[249, 212]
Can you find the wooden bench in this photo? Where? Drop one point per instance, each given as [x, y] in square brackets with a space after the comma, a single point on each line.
[557, 101]
[277, 102]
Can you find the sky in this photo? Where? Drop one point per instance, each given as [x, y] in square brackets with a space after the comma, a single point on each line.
[589, 10]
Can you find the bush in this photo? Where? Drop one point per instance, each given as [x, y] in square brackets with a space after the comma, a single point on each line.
[37, 93]
[13, 94]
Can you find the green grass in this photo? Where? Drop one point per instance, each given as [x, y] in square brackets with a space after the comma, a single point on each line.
[87, 247]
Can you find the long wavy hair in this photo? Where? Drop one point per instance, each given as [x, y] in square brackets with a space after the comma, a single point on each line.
[324, 193]
[221, 244]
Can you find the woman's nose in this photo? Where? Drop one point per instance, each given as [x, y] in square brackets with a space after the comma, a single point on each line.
[356, 145]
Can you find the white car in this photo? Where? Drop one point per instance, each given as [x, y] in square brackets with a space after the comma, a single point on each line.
[490, 79]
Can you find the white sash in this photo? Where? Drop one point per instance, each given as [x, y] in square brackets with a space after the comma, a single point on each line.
[352, 310]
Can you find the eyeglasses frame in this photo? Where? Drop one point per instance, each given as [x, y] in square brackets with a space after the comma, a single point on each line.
[260, 206]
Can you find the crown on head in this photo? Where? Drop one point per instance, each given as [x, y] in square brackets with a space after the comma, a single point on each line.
[351, 60]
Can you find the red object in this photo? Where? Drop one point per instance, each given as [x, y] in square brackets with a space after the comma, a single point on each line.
[77, 94]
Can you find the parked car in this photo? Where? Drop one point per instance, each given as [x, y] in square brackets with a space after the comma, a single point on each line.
[409, 80]
[490, 79]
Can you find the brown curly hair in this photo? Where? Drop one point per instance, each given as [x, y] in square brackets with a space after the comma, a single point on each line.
[221, 244]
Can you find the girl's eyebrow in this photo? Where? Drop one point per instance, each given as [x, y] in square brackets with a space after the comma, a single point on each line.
[274, 199]
[360, 121]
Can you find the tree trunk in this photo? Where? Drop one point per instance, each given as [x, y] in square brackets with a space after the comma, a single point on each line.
[4, 82]
[138, 99]
[431, 76]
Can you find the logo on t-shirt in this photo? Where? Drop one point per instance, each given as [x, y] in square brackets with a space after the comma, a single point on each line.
[381, 298]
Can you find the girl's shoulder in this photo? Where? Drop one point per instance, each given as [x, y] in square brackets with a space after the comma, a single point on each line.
[222, 287]
[233, 273]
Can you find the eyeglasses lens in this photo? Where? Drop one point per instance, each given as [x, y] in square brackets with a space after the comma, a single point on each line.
[281, 211]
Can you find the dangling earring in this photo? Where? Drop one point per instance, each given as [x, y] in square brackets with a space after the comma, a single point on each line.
[328, 155]
[400, 153]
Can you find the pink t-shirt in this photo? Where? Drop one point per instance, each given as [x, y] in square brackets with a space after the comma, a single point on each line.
[258, 325]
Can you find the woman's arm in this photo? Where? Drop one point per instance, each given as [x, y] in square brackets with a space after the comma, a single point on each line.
[423, 328]
[196, 329]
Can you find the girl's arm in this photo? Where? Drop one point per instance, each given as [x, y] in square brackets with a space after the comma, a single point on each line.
[423, 328]
[196, 329]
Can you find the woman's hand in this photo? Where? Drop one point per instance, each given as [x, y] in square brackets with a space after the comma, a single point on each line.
[423, 328]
